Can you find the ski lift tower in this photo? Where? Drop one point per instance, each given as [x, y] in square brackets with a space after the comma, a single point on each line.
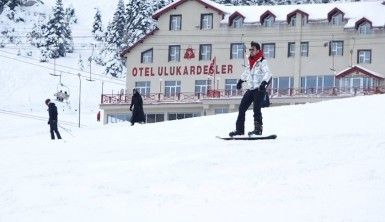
[90, 61]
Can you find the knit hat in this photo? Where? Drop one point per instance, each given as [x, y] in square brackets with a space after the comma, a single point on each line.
[47, 101]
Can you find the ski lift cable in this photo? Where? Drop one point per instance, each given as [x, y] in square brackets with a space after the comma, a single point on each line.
[65, 72]
[63, 66]
[36, 117]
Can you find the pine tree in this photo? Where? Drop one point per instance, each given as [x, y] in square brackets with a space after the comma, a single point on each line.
[139, 20]
[158, 4]
[2, 4]
[70, 15]
[114, 67]
[57, 38]
[97, 28]
[12, 4]
[115, 30]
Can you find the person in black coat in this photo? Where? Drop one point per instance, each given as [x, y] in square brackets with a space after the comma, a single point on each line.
[137, 112]
[52, 121]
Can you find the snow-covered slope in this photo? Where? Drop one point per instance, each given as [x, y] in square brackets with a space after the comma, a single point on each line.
[326, 165]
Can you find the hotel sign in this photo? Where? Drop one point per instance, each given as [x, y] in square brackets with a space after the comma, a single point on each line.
[182, 70]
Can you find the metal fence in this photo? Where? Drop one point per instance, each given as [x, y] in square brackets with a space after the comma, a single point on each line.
[191, 97]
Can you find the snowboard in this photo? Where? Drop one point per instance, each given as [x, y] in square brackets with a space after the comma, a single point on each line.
[269, 137]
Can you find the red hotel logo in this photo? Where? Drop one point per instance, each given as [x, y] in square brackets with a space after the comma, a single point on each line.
[181, 70]
[189, 54]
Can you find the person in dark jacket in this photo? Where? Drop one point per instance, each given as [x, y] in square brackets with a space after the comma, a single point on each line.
[52, 121]
[137, 112]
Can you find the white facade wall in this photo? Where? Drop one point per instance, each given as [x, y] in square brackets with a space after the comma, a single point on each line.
[318, 34]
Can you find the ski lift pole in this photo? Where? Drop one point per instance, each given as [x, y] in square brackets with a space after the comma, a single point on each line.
[90, 60]
[80, 93]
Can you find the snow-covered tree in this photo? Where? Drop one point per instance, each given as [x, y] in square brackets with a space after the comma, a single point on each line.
[57, 36]
[139, 20]
[158, 4]
[44, 55]
[70, 15]
[97, 27]
[115, 30]
[115, 67]
[12, 4]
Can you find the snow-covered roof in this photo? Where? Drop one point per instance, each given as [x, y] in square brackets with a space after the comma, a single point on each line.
[210, 4]
[353, 12]
[360, 69]
[374, 11]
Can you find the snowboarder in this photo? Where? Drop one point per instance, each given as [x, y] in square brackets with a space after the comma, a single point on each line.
[257, 77]
[52, 121]
[137, 112]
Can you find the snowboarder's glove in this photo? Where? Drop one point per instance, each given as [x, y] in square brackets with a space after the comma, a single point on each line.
[263, 85]
[48, 122]
[239, 84]
[130, 108]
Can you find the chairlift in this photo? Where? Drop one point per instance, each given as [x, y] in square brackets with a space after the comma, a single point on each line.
[63, 93]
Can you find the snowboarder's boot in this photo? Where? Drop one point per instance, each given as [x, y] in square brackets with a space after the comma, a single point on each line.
[257, 129]
[236, 133]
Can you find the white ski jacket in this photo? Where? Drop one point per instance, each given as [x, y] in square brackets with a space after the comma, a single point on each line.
[259, 73]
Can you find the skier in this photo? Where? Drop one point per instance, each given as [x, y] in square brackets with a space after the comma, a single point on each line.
[137, 112]
[52, 121]
[257, 77]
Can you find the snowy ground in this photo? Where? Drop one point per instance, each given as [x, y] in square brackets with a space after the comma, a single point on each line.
[326, 165]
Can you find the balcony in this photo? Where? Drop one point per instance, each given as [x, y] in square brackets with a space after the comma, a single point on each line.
[309, 94]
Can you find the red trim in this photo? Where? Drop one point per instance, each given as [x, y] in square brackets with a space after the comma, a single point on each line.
[128, 49]
[291, 14]
[233, 16]
[356, 69]
[359, 22]
[175, 5]
[334, 12]
[265, 15]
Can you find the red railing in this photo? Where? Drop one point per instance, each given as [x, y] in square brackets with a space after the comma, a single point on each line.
[188, 97]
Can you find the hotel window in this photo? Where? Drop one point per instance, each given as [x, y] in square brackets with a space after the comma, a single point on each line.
[202, 86]
[175, 22]
[317, 84]
[205, 52]
[292, 20]
[291, 49]
[146, 56]
[237, 50]
[336, 19]
[221, 110]
[231, 87]
[171, 88]
[282, 85]
[336, 48]
[305, 49]
[154, 118]
[269, 21]
[304, 20]
[269, 50]
[238, 22]
[143, 87]
[206, 21]
[364, 56]
[364, 28]
[175, 116]
[117, 117]
[174, 53]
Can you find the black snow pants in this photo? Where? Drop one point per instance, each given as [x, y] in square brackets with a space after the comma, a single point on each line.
[53, 128]
[256, 97]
